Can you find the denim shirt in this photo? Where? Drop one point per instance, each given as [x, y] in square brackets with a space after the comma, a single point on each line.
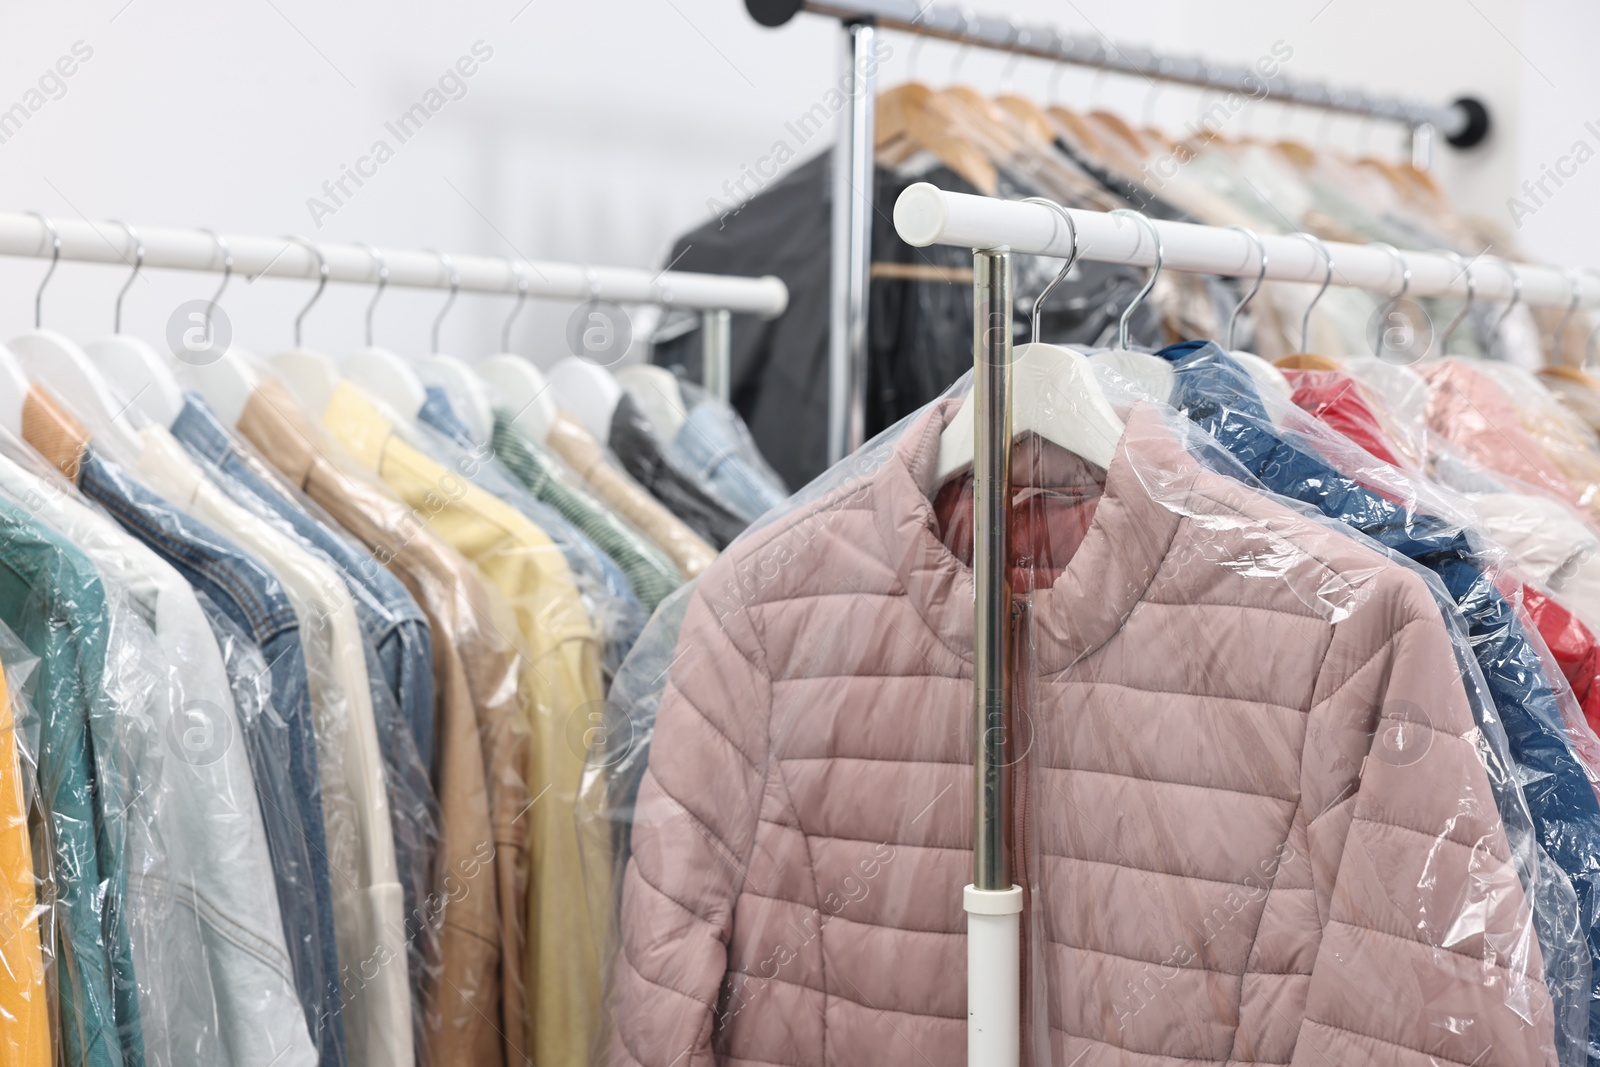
[52, 597]
[389, 615]
[713, 442]
[248, 593]
[621, 617]
[1211, 389]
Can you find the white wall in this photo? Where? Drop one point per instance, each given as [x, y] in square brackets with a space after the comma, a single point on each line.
[597, 131]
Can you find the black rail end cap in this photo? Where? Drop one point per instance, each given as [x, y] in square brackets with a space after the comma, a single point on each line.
[1477, 127]
[773, 12]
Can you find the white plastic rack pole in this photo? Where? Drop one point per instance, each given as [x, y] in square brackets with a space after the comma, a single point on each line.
[280, 257]
[925, 215]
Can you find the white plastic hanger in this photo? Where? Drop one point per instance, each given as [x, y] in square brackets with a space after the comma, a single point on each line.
[655, 389]
[382, 374]
[1264, 374]
[226, 378]
[516, 385]
[55, 360]
[469, 397]
[136, 372]
[589, 392]
[311, 376]
[1064, 403]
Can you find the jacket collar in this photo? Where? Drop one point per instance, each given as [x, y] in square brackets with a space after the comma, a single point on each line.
[1127, 541]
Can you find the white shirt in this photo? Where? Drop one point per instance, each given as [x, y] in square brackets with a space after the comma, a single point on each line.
[368, 905]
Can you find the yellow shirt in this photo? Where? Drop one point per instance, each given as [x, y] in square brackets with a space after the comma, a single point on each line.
[559, 686]
[24, 1007]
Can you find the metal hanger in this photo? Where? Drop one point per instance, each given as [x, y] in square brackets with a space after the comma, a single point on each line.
[516, 309]
[312, 375]
[455, 287]
[1150, 283]
[322, 283]
[1057, 397]
[383, 283]
[1066, 268]
[1261, 276]
[380, 373]
[1516, 298]
[469, 397]
[1472, 296]
[138, 375]
[1327, 279]
[1575, 285]
[55, 257]
[1395, 298]
[227, 381]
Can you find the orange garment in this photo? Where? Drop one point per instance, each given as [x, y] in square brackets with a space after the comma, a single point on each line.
[24, 1005]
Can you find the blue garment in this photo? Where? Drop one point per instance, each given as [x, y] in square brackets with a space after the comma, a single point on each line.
[714, 444]
[1216, 393]
[389, 615]
[618, 615]
[248, 593]
[399, 660]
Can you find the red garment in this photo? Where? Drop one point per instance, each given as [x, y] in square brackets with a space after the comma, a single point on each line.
[1047, 526]
[1336, 399]
[1574, 647]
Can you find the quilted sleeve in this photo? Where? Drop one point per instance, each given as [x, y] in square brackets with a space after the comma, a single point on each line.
[693, 834]
[1428, 954]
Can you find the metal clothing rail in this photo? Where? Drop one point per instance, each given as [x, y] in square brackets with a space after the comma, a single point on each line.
[995, 230]
[285, 257]
[1463, 123]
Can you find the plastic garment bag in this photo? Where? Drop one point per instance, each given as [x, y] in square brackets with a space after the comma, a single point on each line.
[714, 443]
[413, 818]
[1302, 459]
[1228, 844]
[27, 885]
[607, 596]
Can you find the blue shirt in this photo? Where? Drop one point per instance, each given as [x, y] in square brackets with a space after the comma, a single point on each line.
[1217, 394]
[246, 591]
[399, 661]
[714, 443]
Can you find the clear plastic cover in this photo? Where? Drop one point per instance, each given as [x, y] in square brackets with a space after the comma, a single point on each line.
[714, 443]
[1255, 804]
[413, 810]
[27, 882]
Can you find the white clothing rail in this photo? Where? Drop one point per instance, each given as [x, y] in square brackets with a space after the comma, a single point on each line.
[925, 215]
[283, 257]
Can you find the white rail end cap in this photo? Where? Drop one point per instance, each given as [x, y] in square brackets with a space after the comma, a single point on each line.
[992, 901]
[920, 214]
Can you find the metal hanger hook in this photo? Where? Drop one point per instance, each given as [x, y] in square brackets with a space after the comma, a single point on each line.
[1516, 298]
[383, 283]
[1575, 283]
[1072, 258]
[138, 264]
[1150, 283]
[227, 274]
[516, 309]
[1394, 298]
[1327, 279]
[322, 283]
[1472, 296]
[55, 257]
[455, 287]
[1261, 276]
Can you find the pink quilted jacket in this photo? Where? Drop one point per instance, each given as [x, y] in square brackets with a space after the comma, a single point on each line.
[1251, 817]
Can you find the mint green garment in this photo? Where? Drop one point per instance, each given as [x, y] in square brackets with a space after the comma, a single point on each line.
[651, 573]
[52, 597]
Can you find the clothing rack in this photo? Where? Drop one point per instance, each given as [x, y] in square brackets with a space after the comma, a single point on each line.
[1463, 123]
[996, 230]
[715, 296]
